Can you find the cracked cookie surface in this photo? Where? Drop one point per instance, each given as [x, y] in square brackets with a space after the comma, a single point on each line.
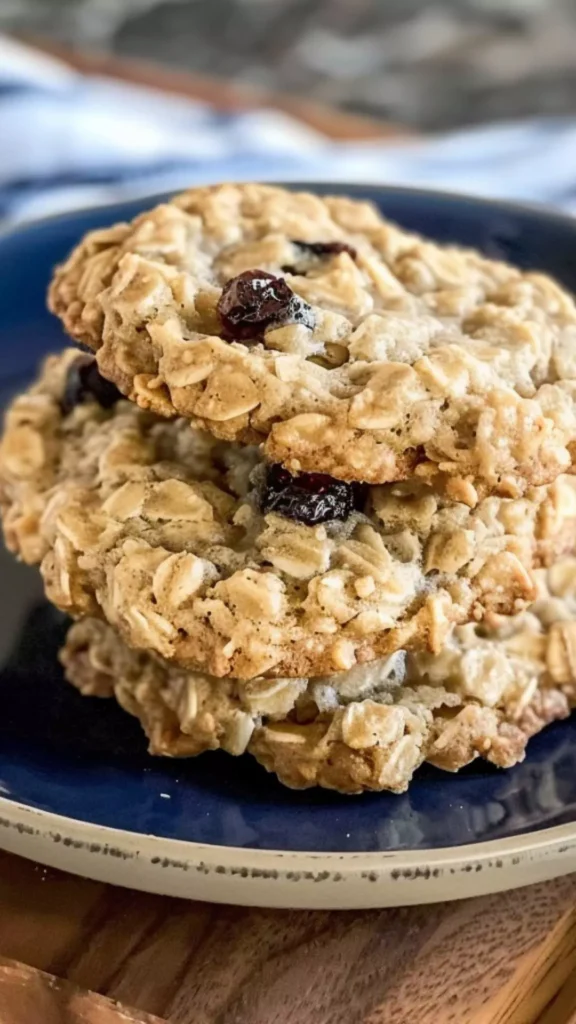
[345, 344]
[159, 529]
[485, 695]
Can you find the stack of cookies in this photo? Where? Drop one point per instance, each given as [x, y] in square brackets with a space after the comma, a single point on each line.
[306, 489]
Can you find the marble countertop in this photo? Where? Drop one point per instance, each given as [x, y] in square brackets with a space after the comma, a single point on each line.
[426, 64]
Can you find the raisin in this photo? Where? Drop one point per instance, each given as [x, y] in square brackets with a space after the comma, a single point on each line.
[85, 383]
[256, 300]
[326, 248]
[309, 498]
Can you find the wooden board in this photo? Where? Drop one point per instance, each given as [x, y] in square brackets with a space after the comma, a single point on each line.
[28, 996]
[506, 959]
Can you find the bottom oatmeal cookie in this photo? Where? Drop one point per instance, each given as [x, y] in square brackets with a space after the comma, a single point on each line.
[369, 728]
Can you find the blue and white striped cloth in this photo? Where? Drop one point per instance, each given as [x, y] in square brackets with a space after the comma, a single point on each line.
[69, 140]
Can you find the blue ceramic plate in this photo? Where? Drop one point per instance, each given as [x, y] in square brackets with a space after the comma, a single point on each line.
[78, 788]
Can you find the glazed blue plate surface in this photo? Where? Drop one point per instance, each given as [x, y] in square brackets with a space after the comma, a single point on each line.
[86, 759]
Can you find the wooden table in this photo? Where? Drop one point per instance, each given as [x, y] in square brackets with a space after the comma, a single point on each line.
[506, 959]
[70, 949]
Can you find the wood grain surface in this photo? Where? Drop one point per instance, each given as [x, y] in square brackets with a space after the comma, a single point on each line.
[28, 996]
[505, 959]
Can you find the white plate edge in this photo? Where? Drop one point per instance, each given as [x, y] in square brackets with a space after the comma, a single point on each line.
[538, 842]
[284, 878]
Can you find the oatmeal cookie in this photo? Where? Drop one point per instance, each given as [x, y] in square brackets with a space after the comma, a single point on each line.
[485, 695]
[345, 344]
[369, 728]
[199, 551]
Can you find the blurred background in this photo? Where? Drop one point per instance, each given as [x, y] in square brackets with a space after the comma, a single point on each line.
[426, 64]
[466, 95]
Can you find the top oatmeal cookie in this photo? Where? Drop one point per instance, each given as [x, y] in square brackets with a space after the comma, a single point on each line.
[198, 551]
[345, 344]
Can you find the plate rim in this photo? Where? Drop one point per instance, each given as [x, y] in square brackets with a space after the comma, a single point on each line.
[244, 876]
[23, 817]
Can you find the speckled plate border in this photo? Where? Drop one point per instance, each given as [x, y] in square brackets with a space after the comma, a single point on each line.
[266, 878]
